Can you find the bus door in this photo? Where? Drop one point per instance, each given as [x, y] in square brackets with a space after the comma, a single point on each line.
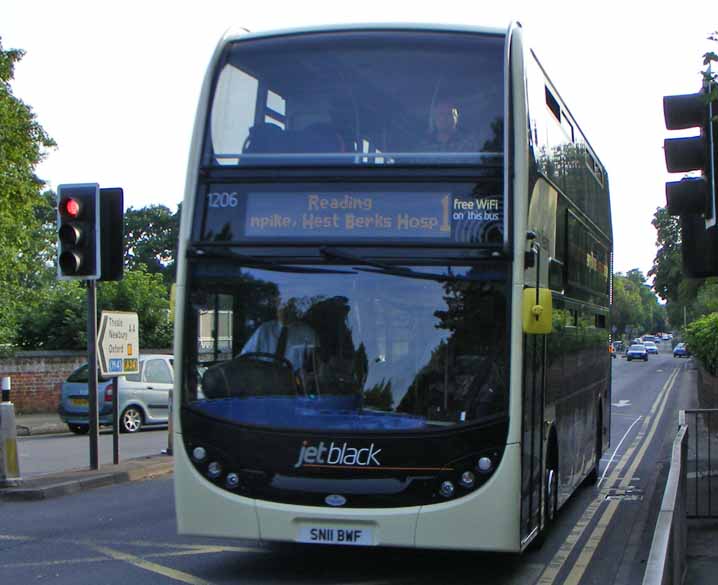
[532, 437]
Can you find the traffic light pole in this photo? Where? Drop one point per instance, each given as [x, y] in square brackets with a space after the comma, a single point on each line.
[92, 371]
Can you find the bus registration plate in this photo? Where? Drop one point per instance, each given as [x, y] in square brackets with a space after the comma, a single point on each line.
[346, 535]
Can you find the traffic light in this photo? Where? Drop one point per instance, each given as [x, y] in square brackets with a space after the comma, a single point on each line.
[112, 241]
[693, 198]
[78, 233]
[695, 195]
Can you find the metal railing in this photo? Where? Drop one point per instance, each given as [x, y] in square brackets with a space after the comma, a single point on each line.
[701, 474]
[666, 563]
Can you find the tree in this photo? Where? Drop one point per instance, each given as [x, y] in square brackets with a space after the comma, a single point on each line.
[151, 237]
[635, 307]
[667, 266]
[23, 143]
[626, 314]
[56, 320]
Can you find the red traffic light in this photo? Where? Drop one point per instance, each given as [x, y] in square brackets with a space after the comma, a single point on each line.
[78, 231]
[71, 207]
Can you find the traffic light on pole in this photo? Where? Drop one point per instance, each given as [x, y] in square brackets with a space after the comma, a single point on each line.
[78, 232]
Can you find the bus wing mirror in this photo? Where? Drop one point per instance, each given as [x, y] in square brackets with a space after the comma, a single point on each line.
[537, 311]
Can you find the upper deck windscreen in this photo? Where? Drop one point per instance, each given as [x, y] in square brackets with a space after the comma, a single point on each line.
[359, 98]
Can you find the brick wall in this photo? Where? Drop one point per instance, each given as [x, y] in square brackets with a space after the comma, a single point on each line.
[36, 378]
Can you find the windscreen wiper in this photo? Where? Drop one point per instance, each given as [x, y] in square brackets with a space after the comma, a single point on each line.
[383, 268]
[228, 255]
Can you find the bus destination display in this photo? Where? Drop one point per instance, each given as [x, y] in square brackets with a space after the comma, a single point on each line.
[318, 215]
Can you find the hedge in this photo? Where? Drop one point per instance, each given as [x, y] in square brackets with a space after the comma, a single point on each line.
[702, 339]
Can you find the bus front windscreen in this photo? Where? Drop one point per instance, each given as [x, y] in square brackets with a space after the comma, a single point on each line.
[350, 349]
[359, 98]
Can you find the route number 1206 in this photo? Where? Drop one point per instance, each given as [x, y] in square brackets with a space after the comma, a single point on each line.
[223, 199]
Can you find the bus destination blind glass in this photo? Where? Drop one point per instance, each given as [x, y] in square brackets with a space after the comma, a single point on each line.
[350, 216]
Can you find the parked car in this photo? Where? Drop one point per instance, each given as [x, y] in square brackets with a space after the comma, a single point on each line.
[637, 352]
[650, 347]
[143, 398]
[681, 351]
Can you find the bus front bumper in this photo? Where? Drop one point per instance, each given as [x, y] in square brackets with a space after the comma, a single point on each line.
[488, 519]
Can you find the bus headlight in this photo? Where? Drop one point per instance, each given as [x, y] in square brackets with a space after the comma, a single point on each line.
[467, 480]
[232, 480]
[446, 489]
[485, 465]
[199, 454]
[214, 470]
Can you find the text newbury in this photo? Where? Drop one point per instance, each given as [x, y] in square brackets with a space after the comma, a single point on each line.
[118, 345]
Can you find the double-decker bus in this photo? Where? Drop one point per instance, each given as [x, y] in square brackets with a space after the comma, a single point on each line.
[407, 240]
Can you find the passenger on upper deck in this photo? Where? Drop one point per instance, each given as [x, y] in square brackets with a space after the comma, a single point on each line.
[445, 133]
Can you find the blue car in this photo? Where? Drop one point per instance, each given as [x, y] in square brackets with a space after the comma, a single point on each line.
[637, 352]
[681, 351]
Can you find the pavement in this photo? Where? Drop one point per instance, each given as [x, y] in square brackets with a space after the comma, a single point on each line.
[702, 500]
[702, 552]
[76, 480]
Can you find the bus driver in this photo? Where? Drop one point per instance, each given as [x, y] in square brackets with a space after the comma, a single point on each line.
[285, 337]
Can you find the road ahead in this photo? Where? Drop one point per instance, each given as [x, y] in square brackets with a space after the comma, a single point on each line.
[127, 534]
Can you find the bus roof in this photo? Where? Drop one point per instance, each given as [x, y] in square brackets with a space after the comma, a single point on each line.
[234, 34]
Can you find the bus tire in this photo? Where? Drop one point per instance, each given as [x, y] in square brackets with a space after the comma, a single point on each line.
[592, 477]
[550, 499]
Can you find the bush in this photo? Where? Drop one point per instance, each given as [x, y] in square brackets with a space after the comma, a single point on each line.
[702, 339]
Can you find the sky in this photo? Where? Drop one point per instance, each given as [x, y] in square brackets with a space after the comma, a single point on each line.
[116, 84]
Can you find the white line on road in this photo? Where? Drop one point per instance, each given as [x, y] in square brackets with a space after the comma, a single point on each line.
[616, 451]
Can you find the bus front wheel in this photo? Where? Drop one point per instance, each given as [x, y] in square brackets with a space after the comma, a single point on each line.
[550, 499]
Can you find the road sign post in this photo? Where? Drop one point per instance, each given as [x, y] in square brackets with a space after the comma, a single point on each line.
[94, 423]
[118, 351]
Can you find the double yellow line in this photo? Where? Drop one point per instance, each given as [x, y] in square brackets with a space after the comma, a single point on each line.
[638, 447]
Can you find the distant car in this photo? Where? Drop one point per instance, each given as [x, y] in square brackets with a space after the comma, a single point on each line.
[143, 397]
[681, 351]
[618, 346]
[648, 338]
[637, 352]
[650, 347]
